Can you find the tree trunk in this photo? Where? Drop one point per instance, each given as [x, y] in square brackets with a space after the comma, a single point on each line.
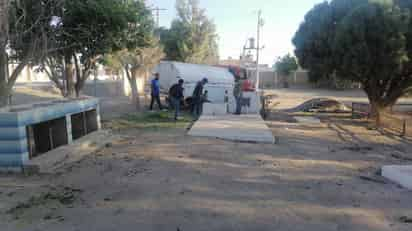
[146, 77]
[55, 76]
[77, 85]
[69, 67]
[4, 89]
[77, 89]
[28, 70]
[81, 78]
[380, 106]
[82, 73]
[135, 89]
[3, 101]
[378, 111]
[4, 31]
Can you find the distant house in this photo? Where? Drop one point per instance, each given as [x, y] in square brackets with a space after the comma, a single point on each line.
[268, 77]
[230, 62]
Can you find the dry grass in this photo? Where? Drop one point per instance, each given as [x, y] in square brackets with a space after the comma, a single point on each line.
[149, 121]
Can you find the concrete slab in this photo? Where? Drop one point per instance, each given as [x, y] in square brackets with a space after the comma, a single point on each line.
[399, 174]
[244, 128]
[307, 119]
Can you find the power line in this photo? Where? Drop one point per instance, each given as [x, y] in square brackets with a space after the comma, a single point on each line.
[156, 11]
[258, 48]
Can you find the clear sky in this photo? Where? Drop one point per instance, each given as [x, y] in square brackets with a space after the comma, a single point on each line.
[236, 20]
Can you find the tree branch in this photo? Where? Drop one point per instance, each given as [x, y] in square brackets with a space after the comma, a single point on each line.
[21, 65]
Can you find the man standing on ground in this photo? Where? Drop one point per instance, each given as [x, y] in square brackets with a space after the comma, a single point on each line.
[176, 96]
[155, 92]
[197, 98]
[237, 93]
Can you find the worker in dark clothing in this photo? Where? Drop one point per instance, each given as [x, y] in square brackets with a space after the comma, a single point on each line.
[237, 93]
[197, 98]
[176, 96]
[155, 92]
[205, 97]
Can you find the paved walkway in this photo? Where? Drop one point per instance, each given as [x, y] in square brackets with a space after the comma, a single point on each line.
[245, 128]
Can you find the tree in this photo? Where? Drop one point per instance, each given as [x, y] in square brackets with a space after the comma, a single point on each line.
[4, 34]
[314, 40]
[54, 67]
[136, 62]
[370, 43]
[141, 52]
[192, 36]
[24, 29]
[286, 65]
[89, 30]
[371, 47]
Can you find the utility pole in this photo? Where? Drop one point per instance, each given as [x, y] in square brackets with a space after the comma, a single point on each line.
[156, 11]
[258, 48]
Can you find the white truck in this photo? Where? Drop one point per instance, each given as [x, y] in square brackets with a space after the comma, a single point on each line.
[220, 86]
[221, 81]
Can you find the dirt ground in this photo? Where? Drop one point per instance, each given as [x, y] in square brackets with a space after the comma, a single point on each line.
[318, 177]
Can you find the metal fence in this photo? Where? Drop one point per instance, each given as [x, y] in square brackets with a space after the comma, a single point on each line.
[397, 122]
[397, 125]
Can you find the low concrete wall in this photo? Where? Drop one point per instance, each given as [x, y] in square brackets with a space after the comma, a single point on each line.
[269, 79]
[219, 108]
[14, 144]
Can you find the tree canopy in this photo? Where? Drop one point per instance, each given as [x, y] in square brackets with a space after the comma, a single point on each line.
[315, 38]
[89, 30]
[359, 40]
[136, 62]
[286, 65]
[192, 36]
[67, 38]
[25, 27]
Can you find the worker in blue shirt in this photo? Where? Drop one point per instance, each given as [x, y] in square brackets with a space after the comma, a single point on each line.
[155, 92]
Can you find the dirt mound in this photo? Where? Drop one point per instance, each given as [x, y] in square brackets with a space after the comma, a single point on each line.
[271, 101]
[320, 105]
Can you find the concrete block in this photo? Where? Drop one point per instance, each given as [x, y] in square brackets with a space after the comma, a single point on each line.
[8, 119]
[307, 119]
[13, 146]
[401, 175]
[9, 170]
[12, 133]
[253, 108]
[12, 159]
[255, 104]
[42, 120]
[244, 128]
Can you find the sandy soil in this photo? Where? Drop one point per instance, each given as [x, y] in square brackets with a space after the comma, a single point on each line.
[312, 180]
[165, 180]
